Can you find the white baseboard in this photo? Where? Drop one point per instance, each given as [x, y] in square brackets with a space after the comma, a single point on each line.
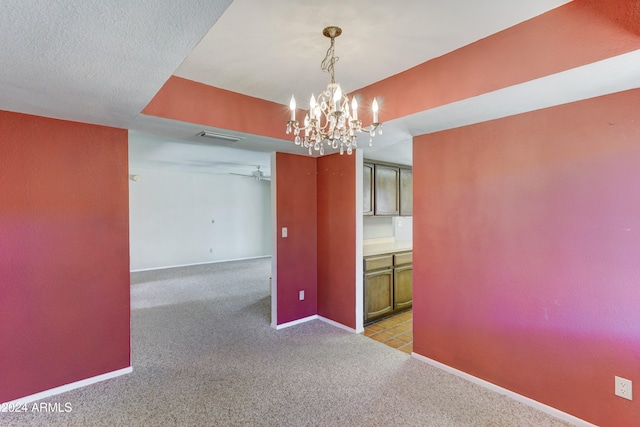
[515, 396]
[295, 322]
[315, 317]
[71, 386]
[197, 263]
[339, 325]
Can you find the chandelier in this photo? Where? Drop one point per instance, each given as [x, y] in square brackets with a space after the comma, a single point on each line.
[330, 119]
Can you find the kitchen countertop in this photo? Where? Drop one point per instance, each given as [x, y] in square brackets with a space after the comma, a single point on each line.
[385, 246]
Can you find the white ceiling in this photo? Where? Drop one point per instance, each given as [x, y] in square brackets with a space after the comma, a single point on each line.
[102, 61]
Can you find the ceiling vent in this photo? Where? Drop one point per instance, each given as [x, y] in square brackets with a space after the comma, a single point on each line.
[221, 137]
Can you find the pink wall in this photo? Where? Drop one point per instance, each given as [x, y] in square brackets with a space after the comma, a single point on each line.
[64, 253]
[316, 202]
[337, 238]
[527, 253]
[296, 209]
[189, 101]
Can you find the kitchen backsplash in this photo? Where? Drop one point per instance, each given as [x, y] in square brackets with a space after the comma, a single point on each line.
[403, 228]
[377, 227]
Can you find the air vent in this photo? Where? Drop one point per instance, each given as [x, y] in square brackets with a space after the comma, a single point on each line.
[219, 136]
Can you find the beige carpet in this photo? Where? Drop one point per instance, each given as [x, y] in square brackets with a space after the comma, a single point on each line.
[205, 355]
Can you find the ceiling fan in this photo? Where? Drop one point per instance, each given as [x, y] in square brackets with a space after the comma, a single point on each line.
[257, 174]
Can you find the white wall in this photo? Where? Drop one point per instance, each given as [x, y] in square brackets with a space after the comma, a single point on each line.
[171, 214]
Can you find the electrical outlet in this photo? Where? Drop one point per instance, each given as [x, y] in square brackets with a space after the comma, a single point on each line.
[301, 295]
[624, 388]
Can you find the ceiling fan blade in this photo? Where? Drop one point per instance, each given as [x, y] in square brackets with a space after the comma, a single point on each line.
[257, 174]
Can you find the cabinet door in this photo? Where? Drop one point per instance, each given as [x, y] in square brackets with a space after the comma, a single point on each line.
[378, 294]
[367, 189]
[406, 192]
[387, 181]
[403, 289]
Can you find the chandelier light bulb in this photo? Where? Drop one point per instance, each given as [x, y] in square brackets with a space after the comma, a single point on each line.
[354, 108]
[374, 108]
[292, 106]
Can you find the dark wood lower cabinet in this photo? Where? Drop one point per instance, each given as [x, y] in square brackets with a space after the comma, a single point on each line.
[403, 287]
[378, 294]
[388, 284]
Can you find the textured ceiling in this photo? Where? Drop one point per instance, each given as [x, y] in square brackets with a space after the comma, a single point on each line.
[95, 61]
[102, 61]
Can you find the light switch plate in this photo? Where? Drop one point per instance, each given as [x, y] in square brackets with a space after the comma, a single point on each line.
[284, 232]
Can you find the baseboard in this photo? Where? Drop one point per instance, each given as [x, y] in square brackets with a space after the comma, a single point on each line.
[515, 396]
[339, 325]
[71, 386]
[315, 317]
[198, 263]
[295, 322]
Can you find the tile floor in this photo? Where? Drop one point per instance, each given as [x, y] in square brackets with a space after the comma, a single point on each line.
[395, 331]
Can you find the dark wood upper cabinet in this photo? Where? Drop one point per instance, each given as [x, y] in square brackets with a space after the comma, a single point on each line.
[367, 189]
[406, 192]
[386, 190]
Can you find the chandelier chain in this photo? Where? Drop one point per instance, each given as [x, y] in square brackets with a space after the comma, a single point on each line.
[329, 61]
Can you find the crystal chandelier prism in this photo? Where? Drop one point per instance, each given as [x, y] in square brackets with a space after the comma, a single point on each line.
[331, 119]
